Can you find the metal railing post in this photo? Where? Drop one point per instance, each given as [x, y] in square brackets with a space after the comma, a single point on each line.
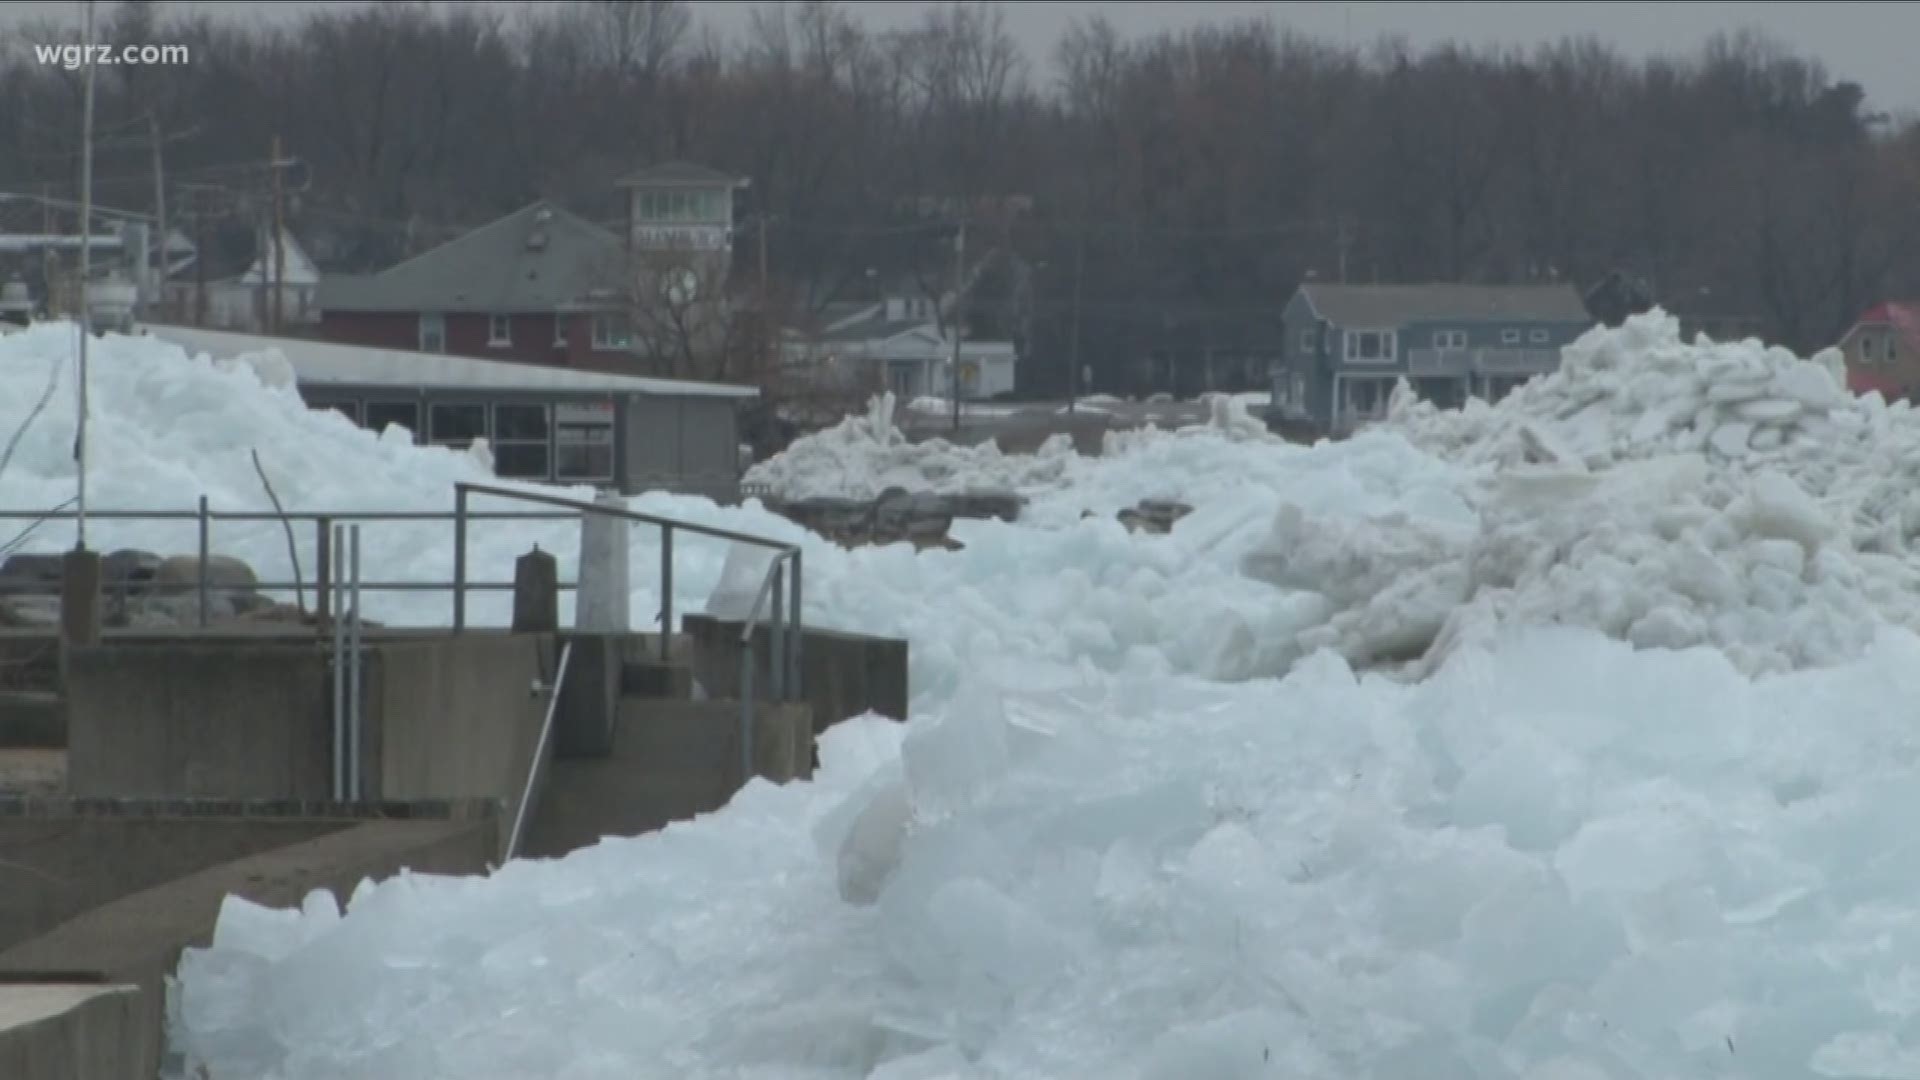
[746, 711]
[793, 642]
[460, 558]
[553, 691]
[777, 634]
[353, 671]
[666, 593]
[323, 588]
[205, 543]
[339, 689]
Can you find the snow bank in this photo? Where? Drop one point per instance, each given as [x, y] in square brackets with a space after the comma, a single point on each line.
[1110, 842]
[1558, 858]
[864, 455]
[1667, 493]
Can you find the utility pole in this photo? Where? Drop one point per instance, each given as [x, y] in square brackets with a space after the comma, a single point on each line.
[959, 292]
[86, 306]
[1073, 354]
[159, 207]
[279, 249]
[1342, 241]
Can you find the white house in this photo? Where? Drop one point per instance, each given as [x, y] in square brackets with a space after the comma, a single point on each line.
[245, 302]
[898, 343]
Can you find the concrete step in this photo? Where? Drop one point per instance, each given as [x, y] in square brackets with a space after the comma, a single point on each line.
[32, 720]
[670, 761]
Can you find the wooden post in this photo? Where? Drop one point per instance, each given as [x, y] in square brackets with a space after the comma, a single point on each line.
[536, 593]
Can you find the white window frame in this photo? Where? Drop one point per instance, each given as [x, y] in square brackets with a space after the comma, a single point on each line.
[1309, 341]
[1510, 336]
[1538, 337]
[499, 330]
[1450, 340]
[432, 325]
[1389, 350]
[1867, 341]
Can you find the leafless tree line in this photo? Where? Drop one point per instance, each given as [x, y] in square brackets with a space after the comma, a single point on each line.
[1205, 171]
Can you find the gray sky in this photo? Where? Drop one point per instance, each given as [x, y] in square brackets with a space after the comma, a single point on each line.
[1870, 43]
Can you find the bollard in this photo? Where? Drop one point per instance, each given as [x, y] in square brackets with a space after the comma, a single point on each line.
[536, 593]
[600, 599]
[80, 597]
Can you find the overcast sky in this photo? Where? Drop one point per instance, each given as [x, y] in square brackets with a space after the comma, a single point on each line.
[1870, 43]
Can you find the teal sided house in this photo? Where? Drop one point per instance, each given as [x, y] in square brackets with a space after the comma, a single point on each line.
[1346, 345]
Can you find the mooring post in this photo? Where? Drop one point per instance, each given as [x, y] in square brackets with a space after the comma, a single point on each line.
[536, 593]
[80, 597]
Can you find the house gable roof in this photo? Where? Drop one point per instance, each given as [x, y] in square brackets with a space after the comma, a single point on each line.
[538, 258]
[1397, 305]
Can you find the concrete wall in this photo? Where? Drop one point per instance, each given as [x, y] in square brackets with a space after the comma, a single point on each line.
[670, 761]
[67, 1032]
[228, 719]
[138, 939]
[842, 674]
[455, 717]
[55, 868]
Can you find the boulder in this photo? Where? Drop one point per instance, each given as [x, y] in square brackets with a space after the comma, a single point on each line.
[128, 571]
[223, 572]
[26, 573]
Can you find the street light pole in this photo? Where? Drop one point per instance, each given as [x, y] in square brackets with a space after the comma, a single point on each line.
[959, 291]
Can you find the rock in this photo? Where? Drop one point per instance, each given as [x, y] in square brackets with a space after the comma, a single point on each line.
[128, 571]
[223, 572]
[1154, 516]
[30, 574]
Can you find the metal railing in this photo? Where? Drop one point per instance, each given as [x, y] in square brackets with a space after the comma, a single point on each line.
[322, 523]
[552, 690]
[667, 526]
[783, 659]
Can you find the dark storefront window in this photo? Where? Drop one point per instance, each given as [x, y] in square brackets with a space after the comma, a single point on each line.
[520, 447]
[457, 425]
[381, 414]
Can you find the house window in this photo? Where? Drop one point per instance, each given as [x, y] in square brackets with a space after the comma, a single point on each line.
[499, 330]
[583, 452]
[1537, 337]
[1307, 342]
[610, 332]
[456, 425]
[384, 414]
[1509, 337]
[1450, 339]
[520, 449]
[1371, 345]
[559, 331]
[1868, 345]
[433, 333]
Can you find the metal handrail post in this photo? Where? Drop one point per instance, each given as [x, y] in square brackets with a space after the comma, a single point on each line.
[339, 685]
[205, 543]
[794, 640]
[459, 558]
[539, 749]
[323, 530]
[777, 636]
[746, 712]
[354, 712]
[666, 593]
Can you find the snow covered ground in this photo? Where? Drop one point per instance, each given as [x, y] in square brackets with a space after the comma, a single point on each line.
[1566, 739]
